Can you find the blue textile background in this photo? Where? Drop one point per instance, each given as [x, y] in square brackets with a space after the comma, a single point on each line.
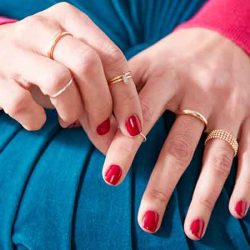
[52, 196]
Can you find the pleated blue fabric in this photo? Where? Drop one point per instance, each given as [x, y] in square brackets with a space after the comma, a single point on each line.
[52, 196]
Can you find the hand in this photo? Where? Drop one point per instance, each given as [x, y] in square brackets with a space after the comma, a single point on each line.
[88, 57]
[200, 70]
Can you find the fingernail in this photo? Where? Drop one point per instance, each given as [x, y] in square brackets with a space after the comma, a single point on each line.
[241, 208]
[133, 125]
[197, 228]
[104, 127]
[150, 220]
[113, 174]
[74, 125]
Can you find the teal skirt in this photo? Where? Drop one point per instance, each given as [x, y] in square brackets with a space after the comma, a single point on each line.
[52, 196]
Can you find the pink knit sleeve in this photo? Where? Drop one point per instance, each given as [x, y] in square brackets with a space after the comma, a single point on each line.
[230, 18]
[4, 20]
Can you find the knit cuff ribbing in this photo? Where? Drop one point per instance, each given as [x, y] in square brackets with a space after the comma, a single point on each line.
[230, 18]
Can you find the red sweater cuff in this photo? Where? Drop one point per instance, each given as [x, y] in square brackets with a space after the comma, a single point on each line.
[4, 20]
[230, 18]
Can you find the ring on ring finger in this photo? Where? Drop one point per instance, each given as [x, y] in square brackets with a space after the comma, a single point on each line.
[225, 136]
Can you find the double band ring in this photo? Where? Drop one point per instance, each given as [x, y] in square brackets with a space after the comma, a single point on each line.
[55, 41]
[225, 136]
[121, 78]
[195, 114]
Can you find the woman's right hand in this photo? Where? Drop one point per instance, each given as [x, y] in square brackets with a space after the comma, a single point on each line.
[29, 78]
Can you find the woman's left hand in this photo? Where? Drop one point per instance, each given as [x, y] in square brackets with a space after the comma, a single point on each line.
[195, 69]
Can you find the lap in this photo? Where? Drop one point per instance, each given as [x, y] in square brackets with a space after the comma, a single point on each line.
[52, 195]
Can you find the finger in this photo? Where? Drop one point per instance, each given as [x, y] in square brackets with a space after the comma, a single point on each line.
[175, 156]
[127, 107]
[123, 149]
[217, 161]
[101, 143]
[50, 76]
[87, 70]
[18, 104]
[240, 199]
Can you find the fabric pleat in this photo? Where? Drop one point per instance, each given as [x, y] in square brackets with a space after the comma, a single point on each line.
[52, 196]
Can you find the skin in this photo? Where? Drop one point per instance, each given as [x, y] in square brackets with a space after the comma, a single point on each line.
[207, 73]
[88, 56]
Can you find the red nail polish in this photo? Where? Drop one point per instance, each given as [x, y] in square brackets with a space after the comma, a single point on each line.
[150, 221]
[133, 125]
[113, 174]
[241, 208]
[104, 127]
[197, 228]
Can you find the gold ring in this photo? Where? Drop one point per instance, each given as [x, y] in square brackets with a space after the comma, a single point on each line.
[121, 78]
[143, 137]
[63, 89]
[195, 114]
[57, 38]
[225, 136]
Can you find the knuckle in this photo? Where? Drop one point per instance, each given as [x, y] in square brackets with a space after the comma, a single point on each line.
[113, 55]
[222, 164]
[95, 112]
[63, 6]
[68, 10]
[126, 148]
[87, 63]
[156, 194]
[39, 21]
[35, 19]
[18, 104]
[246, 181]
[180, 150]
[206, 201]
[56, 80]
[128, 98]
[147, 111]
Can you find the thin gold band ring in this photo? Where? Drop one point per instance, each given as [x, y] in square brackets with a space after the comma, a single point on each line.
[63, 89]
[57, 38]
[195, 114]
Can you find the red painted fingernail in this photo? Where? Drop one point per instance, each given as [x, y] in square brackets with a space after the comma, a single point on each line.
[150, 220]
[104, 127]
[133, 125]
[197, 228]
[74, 125]
[241, 208]
[113, 174]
